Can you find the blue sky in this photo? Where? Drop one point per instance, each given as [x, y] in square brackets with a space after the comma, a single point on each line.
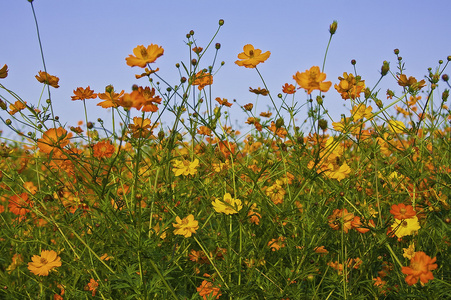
[86, 42]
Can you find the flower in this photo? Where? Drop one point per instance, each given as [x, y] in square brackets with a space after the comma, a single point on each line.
[53, 138]
[110, 98]
[92, 286]
[259, 91]
[251, 57]
[4, 71]
[420, 268]
[396, 126]
[312, 80]
[405, 227]
[228, 206]
[361, 111]
[17, 106]
[185, 167]
[20, 204]
[288, 89]
[41, 265]
[350, 87]
[409, 252]
[411, 83]
[341, 218]
[144, 55]
[103, 149]
[202, 79]
[208, 291]
[223, 101]
[401, 211]
[82, 94]
[44, 77]
[148, 99]
[186, 226]
[277, 244]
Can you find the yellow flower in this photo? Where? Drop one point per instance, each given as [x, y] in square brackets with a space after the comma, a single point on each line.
[405, 227]
[41, 265]
[251, 57]
[409, 252]
[312, 80]
[4, 71]
[144, 55]
[185, 167]
[228, 206]
[186, 226]
[396, 126]
[361, 111]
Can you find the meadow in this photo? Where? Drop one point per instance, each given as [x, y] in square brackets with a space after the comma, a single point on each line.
[286, 207]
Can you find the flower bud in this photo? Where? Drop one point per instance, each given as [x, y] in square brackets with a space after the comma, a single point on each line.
[445, 95]
[218, 46]
[353, 62]
[319, 100]
[445, 77]
[134, 87]
[221, 22]
[183, 79]
[90, 125]
[3, 105]
[322, 124]
[177, 65]
[279, 95]
[396, 51]
[440, 62]
[8, 122]
[449, 58]
[194, 61]
[379, 103]
[279, 123]
[333, 27]
[385, 68]
[191, 32]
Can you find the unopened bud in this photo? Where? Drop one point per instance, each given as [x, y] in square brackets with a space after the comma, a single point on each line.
[445, 77]
[191, 32]
[445, 95]
[218, 46]
[194, 61]
[353, 62]
[333, 27]
[379, 103]
[279, 123]
[396, 51]
[221, 22]
[90, 125]
[385, 68]
[319, 100]
[322, 124]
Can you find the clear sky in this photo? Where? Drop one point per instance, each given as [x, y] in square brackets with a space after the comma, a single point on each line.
[86, 42]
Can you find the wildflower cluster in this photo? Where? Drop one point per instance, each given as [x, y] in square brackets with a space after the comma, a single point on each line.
[289, 209]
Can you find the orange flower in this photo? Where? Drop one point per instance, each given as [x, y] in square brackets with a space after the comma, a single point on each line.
[82, 94]
[277, 244]
[251, 57]
[288, 89]
[202, 79]
[41, 265]
[92, 286]
[411, 82]
[46, 78]
[110, 98]
[402, 211]
[17, 106]
[226, 148]
[223, 101]
[341, 218]
[312, 80]
[103, 149]
[420, 268]
[144, 55]
[350, 87]
[20, 204]
[53, 138]
[208, 291]
[149, 99]
[4, 71]
[133, 99]
[259, 91]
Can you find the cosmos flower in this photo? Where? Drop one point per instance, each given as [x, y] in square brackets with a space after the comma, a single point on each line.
[143, 56]
[186, 226]
[228, 205]
[420, 268]
[251, 57]
[44, 77]
[312, 79]
[42, 265]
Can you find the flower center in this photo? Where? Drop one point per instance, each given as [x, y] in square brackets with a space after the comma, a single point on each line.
[144, 52]
[43, 261]
[251, 53]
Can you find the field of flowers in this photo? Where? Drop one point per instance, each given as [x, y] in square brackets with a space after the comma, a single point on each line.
[290, 207]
